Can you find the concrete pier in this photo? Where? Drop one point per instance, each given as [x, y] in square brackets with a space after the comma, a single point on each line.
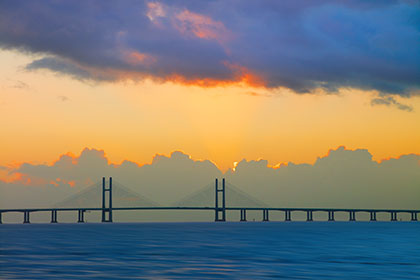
[243, 215]
[54, 216]
[331, 216]
[394, 217]
[288, 215]
[352, 216]
[26, 217]
[265, 215]
[373, 216]
[81, 218]
[309, 217]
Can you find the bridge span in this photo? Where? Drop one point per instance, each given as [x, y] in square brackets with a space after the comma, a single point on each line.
[219, 209]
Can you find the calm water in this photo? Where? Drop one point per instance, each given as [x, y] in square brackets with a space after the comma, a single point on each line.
[252, 250]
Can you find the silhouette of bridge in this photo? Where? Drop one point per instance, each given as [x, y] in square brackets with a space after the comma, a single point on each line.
[198, 201]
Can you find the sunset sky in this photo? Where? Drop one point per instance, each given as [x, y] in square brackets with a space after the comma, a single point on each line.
[285, 81]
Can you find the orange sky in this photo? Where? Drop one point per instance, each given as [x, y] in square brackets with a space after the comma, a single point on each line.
[43, 115]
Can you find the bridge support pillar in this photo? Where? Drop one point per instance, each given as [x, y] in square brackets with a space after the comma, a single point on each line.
[265, 215]
[309, 216]
[54, 216]
[372, 216]
[1, 218]
[287, 215]
[243, 215]
[394, 216]
[107, 211]
[26, 217]
[81, 218]
[217, 209]
[413, 216]
[331, 216]
[352, 216]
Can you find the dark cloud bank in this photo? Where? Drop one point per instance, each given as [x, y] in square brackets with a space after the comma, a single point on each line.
[301, 45]
[343, 178]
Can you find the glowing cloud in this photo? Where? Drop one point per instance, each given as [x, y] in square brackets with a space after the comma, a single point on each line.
[342, 178]
[200, 25]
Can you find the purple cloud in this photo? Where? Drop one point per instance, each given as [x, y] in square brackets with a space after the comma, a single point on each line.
[301, 45]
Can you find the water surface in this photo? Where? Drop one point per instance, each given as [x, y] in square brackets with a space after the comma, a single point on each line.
[253, 250]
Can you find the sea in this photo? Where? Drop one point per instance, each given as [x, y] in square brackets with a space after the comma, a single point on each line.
[230, 250]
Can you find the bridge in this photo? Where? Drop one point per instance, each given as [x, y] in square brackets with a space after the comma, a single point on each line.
[220, 209]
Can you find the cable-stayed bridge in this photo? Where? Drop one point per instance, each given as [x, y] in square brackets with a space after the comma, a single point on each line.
[221, 197]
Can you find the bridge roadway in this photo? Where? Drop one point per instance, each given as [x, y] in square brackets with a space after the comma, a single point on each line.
[265, 211]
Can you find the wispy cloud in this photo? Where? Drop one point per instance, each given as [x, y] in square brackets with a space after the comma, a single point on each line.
[259, 94]
[390, 101]
[15, 84]
[20, 85]
[63, 98]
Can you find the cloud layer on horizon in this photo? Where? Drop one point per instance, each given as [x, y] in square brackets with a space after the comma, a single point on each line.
[343, 178]
[300, 45]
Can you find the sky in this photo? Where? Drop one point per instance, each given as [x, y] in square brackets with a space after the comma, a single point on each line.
[229, 83]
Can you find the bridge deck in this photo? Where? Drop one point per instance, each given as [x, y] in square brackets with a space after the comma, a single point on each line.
[212, 209]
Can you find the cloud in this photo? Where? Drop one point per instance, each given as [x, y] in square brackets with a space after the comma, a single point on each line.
[20, 85]
[390, 101]
[188, 23]
[63, 98]
[301, 45]
[16, 84]
[259, 94]
[343, 178]
[59, 65]
[165, 180]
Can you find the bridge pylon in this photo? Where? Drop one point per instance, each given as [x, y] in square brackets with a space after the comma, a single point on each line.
[106, 211]
[220, 211]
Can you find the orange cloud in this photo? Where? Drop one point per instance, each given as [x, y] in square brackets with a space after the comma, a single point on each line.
[155, 11]
[58, 181]
[187, 22]
[30, 180]
[135, 58]
[245, 75]
[209, 82]
[241, 76]
[278, 165]
[69, 156]
[54, 183]
[25, 180]
[60, 172]
[11, 177]
[200, 26]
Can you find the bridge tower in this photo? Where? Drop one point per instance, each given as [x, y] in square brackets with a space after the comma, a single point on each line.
[217, 208]
[106, 211]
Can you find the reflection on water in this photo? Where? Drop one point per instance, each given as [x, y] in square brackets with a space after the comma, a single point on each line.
[302, 250]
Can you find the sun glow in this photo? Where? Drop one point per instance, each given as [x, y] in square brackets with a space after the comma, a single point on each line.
[223, 123]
